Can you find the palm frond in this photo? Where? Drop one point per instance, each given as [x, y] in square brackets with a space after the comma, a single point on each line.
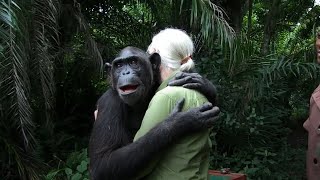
[16, 112]
[46, 13]
[255, 73]
[92, 48]
[206, 17]
[212, 22]
[26, 163]
[15, 83]
[284, 67]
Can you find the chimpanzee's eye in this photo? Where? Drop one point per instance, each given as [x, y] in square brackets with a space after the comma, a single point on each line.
[119, 65]
[134, 62]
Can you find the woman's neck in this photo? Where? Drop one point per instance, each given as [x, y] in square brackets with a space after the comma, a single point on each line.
[165, 73]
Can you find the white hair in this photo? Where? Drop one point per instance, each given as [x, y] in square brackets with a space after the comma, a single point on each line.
[175, 48]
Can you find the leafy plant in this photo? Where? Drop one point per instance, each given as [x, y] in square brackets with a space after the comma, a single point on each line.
[257, 96]
[75, 168]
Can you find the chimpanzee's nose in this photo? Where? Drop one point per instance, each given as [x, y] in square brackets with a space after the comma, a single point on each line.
[125, 72]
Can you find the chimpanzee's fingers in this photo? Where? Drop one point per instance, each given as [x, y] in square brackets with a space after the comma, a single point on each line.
[205, 107]
[194, 80]
[192, 85]
[210, 122]
[184, 74]
[179, 105]
[195, 75]
[179, 82]
[179, 75]
[211, 112]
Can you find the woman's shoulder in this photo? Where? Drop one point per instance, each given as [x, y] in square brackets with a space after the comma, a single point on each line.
[317, 89]
[175, 92]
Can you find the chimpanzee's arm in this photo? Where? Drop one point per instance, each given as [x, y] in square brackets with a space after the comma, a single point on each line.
[197, 82]
[127, 161]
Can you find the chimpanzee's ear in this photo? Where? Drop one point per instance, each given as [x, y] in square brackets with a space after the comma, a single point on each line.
[155, 60]
[107, 67]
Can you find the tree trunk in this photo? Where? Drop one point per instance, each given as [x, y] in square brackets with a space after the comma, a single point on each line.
[250, 4]
[269, 27]
[235, 10]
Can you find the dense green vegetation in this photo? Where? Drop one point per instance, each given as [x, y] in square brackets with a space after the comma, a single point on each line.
[260, 54]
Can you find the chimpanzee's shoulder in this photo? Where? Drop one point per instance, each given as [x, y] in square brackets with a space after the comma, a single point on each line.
[110, 96]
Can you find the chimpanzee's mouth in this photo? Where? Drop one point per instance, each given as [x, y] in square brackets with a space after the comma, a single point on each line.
[127, 89]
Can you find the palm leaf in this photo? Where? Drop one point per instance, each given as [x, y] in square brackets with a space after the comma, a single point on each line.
[15, 108]
[211, 19]
[92, 48]
[285, 67]
[206, 17]
[45, 25]
[256, 73]
[15, 81]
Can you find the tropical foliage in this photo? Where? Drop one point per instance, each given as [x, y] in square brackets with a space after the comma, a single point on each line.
[259, 54]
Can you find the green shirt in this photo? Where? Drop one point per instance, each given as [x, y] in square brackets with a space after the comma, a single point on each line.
[188, 158]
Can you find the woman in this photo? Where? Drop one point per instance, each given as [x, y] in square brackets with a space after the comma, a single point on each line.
[312, 125]
[188, 158]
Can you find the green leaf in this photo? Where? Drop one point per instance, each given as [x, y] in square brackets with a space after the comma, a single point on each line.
[76, 176]
[68, 171]
[82, 167]
[51, 175]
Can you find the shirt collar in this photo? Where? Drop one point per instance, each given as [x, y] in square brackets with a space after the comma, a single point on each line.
[165, 82]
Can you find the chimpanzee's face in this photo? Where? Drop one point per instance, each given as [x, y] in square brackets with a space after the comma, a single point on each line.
[132, 75]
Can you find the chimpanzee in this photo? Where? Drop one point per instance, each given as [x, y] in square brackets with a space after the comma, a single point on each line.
[135, 77]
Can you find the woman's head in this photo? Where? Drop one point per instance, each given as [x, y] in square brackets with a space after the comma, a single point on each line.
[175, 48]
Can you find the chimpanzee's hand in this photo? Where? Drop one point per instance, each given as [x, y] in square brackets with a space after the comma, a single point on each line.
[195, 119]
[197, 82]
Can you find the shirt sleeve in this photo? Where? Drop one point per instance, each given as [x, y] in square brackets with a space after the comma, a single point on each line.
[159, 109]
